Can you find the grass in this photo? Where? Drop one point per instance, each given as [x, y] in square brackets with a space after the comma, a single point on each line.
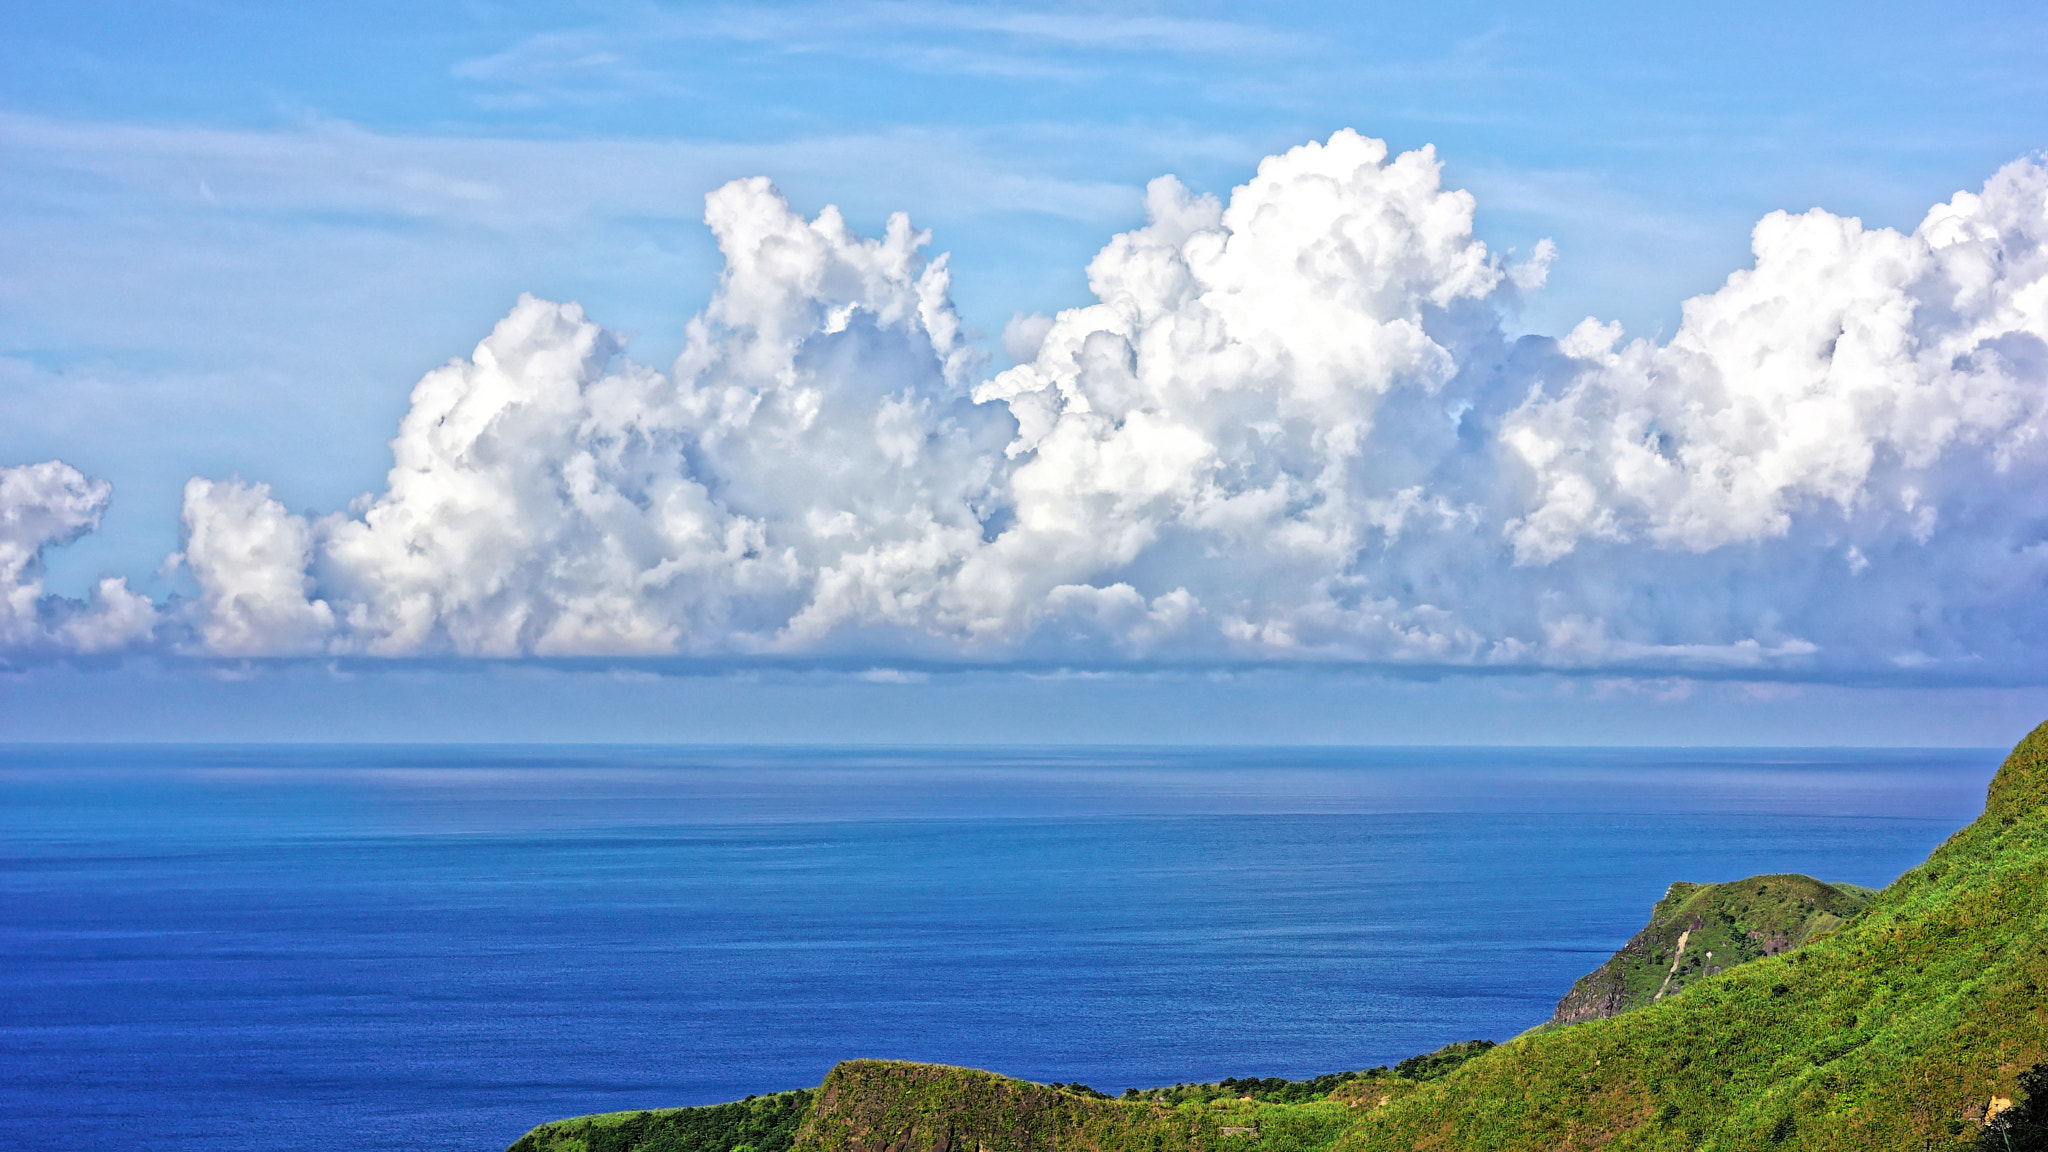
[889, 1104]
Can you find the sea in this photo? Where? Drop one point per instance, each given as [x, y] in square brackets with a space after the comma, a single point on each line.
[439, 947]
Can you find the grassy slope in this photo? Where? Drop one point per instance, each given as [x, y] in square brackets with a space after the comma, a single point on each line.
[1720, 925]
[877, 1105]
[1891, 1033]
[893, 1104]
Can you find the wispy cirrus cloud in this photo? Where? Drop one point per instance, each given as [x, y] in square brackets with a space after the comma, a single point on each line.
[646, 52]
[504, 183]
[1088, 28]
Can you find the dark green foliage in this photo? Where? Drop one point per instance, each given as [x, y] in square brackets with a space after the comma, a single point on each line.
[758, 1123]
[1079, 1089]
[1265, 1090]
[2024, 1126]
[1273, 1090]
[1431, 1065]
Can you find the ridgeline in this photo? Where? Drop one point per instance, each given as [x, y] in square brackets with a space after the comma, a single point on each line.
[1826, 1017]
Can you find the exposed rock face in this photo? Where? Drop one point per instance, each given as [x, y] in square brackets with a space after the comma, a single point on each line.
[1700, 930]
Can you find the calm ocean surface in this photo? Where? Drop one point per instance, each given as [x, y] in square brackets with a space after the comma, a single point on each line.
[438, 947]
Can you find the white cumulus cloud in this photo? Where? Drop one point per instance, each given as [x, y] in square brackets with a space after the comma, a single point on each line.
[1849, 369]
[811, 464]
[249, 556]
[1290, 426]
[47, 505]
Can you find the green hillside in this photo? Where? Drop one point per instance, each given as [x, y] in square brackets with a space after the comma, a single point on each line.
[885, 1106]
[1700, 930]
[905, 1107]
[1896, 1031]
[1898, 1026]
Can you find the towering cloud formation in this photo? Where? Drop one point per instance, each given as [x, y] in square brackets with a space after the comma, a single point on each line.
[49, 504]
[1848, 369]
[811, 465]
[249, 556]
[1290, 427]
[1851, 432]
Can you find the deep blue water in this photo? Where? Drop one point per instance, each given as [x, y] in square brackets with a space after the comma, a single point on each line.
[436, 948]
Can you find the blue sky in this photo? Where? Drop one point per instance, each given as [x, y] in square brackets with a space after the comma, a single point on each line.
[238, 235]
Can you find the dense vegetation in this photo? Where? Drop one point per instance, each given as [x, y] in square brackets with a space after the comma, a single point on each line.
[1443, 1061]
[1915, 1022]
[2022, 1127]
[756, 1124]
[1265, 1090]
[1700, 930]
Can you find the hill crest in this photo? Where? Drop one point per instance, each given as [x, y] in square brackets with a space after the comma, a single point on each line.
[1698, 931]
